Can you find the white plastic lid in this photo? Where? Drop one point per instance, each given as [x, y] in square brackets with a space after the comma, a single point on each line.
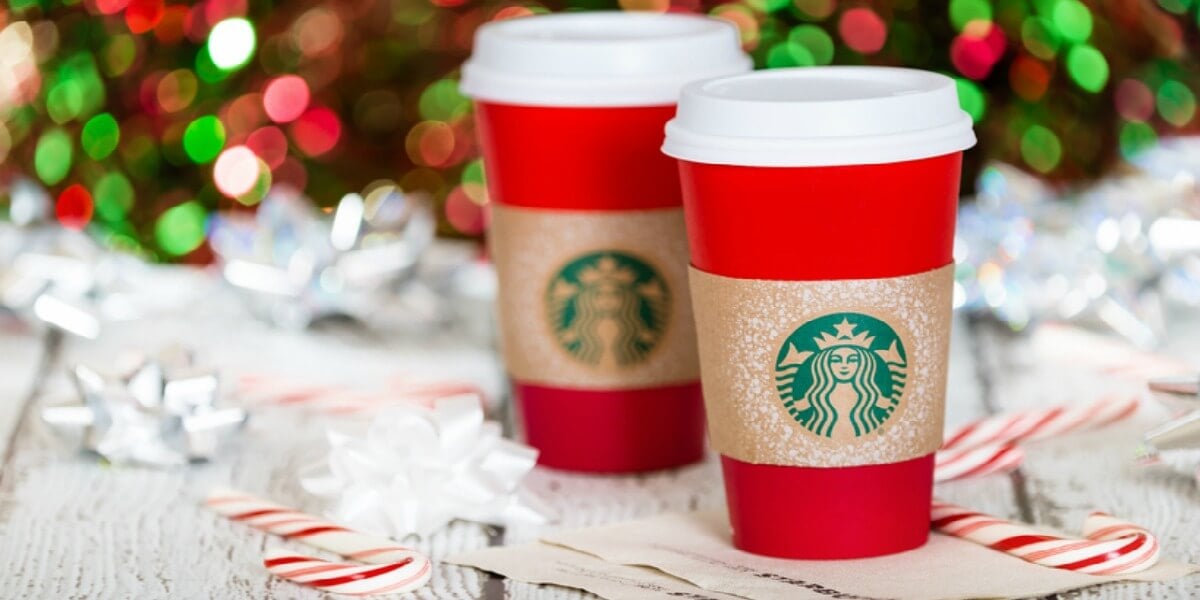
[819, 116]
[599, 58]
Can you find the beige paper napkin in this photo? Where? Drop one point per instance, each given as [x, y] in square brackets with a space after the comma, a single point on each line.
[696, 547]
[544, 563]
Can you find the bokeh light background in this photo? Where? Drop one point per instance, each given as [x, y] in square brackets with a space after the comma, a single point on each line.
[140, 118]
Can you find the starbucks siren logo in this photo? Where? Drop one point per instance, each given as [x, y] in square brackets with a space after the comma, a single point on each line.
[842, 375]
[608, 309]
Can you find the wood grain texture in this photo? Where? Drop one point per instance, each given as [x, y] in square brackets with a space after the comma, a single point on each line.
[24, 355]
[73, 528]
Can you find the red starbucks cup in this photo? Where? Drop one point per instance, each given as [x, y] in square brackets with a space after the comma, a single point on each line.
[587, 229]
[820, 206]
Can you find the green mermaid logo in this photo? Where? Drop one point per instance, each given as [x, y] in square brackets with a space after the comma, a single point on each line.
[608, 309]
[842, 375]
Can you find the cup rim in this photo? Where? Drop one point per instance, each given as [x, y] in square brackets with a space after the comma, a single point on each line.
[601, 58]
[819, 116]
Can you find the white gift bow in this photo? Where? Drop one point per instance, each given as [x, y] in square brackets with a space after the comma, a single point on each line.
[417, 469]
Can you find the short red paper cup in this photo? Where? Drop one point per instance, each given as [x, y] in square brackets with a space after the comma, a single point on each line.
[587, 229]
[820, 207]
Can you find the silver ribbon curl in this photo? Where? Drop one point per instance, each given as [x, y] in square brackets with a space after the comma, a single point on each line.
[417, 469]
[161, 413]
[1175, 445]
[296, 267]
[59, 278]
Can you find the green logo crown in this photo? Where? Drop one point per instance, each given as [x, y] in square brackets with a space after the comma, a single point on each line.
[842, 375]
[608, 308]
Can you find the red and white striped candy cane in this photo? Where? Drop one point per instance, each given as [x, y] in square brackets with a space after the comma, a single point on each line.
[1039, 424]
[283, 391]
[399, 568]
[345, 578]
[1109, 546]
[988, 459]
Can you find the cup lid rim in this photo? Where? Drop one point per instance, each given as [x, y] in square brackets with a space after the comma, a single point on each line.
[819, 116]
[599, 58]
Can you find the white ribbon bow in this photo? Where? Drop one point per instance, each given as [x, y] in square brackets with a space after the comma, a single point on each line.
[417, 469]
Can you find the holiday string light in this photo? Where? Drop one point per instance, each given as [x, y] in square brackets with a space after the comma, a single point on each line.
[124, 110]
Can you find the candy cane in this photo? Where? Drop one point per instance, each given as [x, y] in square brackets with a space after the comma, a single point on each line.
[282, 391]
[1110, 546]
[1039, 424]
[976, 462]
[399, 568]
[345, 578]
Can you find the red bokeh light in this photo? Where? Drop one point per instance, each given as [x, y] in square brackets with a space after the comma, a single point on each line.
[316, 131]
[269, 144]
[1029, 78]
[863, 30]
[511, 12]
[972, 56]
[285, 98]
[216, 11]
[464, 214]
[111, 7]
[171, 27]
[74, 207]
[1134, 100]
[142, 15]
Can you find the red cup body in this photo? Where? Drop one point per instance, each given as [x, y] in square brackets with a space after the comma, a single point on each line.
[593, 159]
[775, 223]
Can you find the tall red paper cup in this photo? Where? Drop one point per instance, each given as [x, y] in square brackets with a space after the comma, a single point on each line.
[587, 229]
[820, 207]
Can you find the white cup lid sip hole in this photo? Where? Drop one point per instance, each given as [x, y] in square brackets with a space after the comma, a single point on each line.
[599, 58]
[819, 116]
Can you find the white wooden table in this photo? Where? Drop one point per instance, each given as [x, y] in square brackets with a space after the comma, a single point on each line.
[73, 528]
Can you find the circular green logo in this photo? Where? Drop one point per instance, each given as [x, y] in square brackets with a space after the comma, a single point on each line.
[608, 308]
[842, 375]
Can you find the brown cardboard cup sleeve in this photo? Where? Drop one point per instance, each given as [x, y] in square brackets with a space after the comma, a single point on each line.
[824, 373]
[594, 299]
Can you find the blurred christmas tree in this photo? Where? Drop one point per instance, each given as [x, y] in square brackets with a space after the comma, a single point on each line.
[141, 117]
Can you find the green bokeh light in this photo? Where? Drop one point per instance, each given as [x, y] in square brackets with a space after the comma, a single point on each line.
[100, 136]
[1041, 149]
[180, 229]
[52, 157]
[206, 70]
[114, 197]
[786, 54]
[817, 43]
[971, 98]
[1135, 137]
[118, 54]
[1176, 103]
[474, 173]
[76, 88]
[1039, 38]
[441, 101]
[768, 6]
[965, 11]
[814, 10]
[1179, 7]
[203, 139]
[1087, 67]
[261, 186]
[1073, 20]
[64, 101]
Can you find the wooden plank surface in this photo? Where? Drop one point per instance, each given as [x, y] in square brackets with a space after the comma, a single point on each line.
[1063, 479]
[72, 528]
